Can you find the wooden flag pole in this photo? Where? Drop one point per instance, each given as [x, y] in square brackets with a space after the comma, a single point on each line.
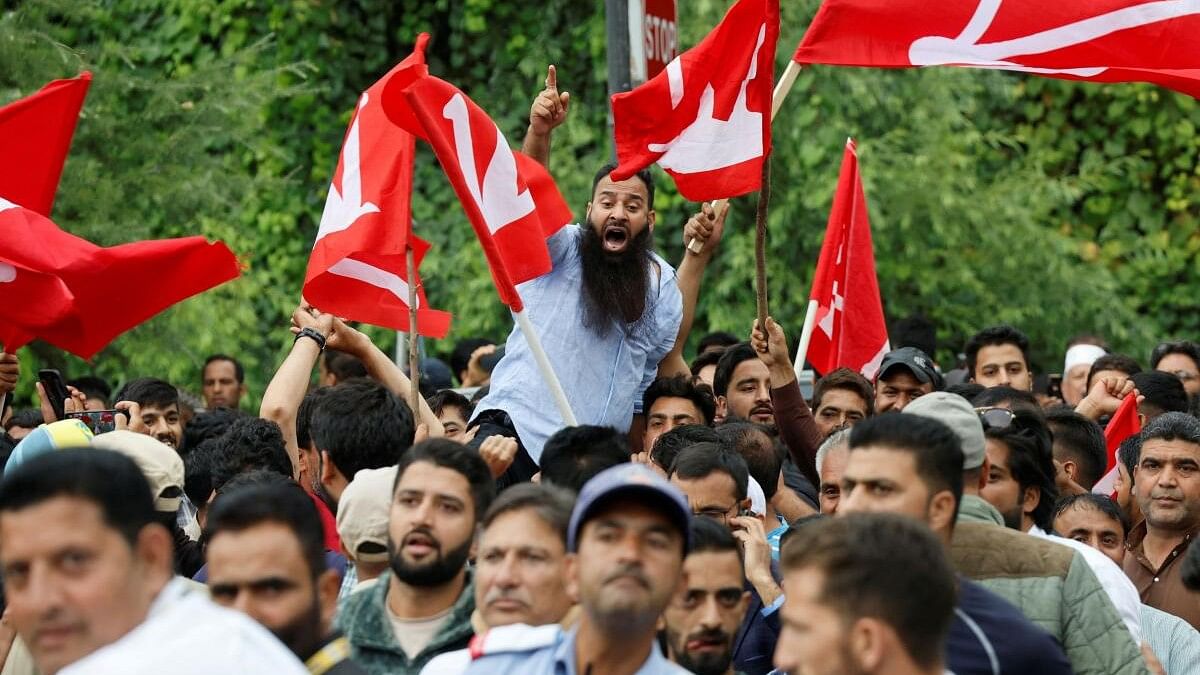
[414, 361]
[782, 89]
[760, 241]
[543, 363]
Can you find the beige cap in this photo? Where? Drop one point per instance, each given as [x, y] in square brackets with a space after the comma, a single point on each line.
[160, 464]
[362, 516]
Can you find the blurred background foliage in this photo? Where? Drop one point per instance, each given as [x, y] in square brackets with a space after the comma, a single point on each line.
[1059, 207]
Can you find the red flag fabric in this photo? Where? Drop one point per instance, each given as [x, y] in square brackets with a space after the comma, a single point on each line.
[35, 134]
[1093, 40]
[706, 119]
[103, 291]
[510, 199]
[850, 330]
[358, 269]
[1123, 424]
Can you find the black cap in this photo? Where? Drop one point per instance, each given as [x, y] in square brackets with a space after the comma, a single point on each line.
[915, 361]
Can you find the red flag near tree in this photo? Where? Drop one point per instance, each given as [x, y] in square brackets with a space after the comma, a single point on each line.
[706, 119]
[510, 199]
[1092, 40]
[36, 134]
[850, 330]
[1124, 423]
[358, 268]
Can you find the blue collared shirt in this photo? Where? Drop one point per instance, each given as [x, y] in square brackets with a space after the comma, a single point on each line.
[559, 659]
[604, 376]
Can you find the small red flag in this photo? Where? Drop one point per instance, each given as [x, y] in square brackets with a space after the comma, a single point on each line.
[1091, 40]
[35, 134]
[358, 269]
[510, 199]
[850, 330]
[1123, 424]
[706, 119]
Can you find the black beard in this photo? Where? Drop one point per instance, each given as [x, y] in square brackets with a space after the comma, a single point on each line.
[615, 285]
[439, 571]
[704, 664]
[303, 636]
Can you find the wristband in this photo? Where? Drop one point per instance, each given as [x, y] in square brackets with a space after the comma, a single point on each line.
[311, 333]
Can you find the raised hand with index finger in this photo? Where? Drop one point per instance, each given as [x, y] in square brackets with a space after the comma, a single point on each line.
[550, 107]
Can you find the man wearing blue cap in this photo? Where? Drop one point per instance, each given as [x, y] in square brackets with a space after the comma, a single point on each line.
[627, 539]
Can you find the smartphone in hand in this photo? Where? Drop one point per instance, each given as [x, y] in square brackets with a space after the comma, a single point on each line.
[99, 421]
[56, 390]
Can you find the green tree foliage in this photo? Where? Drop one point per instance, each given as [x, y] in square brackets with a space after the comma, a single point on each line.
[1060, 207]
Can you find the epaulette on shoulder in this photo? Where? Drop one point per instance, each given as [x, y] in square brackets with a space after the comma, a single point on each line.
[514, 639]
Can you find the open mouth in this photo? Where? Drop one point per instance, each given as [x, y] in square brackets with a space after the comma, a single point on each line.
[761, 413]
[419, 544]
[616, 237]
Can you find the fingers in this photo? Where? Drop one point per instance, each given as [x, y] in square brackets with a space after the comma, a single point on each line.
[552, 78]
[469, 435]
[564, 99]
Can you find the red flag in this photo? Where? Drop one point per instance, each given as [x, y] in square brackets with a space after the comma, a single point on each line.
[510, 199]
[358, 269]
[1094, 40]
[850, 330]
[108, 290]
[706, 119]
[1124, 423]
[35, 134]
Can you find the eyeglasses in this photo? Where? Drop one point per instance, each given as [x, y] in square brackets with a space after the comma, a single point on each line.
[995, 418]
[715, 513]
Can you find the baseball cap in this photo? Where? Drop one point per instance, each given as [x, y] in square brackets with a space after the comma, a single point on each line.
[916, 361]
[60, 435]
[160, 464]
[955, 412]
[635, 481]
[362, 515]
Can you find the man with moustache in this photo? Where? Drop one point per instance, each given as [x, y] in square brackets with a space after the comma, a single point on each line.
[422, 606]
[608, 313]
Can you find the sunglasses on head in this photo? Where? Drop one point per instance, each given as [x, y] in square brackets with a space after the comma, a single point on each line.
[995, 418]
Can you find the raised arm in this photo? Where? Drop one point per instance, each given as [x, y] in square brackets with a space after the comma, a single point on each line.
[706, 227]
[549, 110]
[793, 418]
[283, 396]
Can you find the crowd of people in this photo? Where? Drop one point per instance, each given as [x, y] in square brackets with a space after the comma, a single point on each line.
[708, 517]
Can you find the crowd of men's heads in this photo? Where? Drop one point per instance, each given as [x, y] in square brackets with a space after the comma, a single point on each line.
[665, 540]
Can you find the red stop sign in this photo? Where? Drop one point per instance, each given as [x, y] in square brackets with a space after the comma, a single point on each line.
[660, 35]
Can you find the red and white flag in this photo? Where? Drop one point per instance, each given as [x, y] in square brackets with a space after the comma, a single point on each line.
[358, 269]
[706, 119]
[849, 330]
[1123, 424]
[510, 199]
[1095, 40]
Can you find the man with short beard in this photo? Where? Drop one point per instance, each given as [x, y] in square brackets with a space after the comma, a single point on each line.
[608, 314]
[422, 606]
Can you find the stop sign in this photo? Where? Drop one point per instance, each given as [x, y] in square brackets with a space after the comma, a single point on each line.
[660, 35]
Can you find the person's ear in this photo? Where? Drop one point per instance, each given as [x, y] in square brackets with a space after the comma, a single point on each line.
[571, 576]
[985, 469]
[721, 409]
[1030, 498]
[942, 511]
[650, 215]
[155, 550]
[242, 390]
[1069, 468]
[329, 472]
[328, 587]
[867, 644]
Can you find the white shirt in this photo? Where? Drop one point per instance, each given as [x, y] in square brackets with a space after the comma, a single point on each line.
[185, 633]
[1120, 589]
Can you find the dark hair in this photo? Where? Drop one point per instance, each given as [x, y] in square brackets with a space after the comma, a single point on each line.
[361, 425]
[704, 459]
[1099, 503]
[967, 390]
[936, 450]
[844, 378]
[448, 398]
[239, 373]
[198, 472]
[681, 386]
[709, 536]
[457, 457]
[1162, 390]
[552, 504]
[1186, 347]
[1078, 438]
[460, 357]
[146, 391]
[643, 175]
[110, 480]
[870, 563]
[718, 338]
[1128, 454]
[344, 366]
[1030, 461]
[212, 423]
[914, 331]
[1015, 398]
[304, 416]
[704, 359]
[93, 387]
[1172, 426]
[730, 359]
[1118, 362]
[250, 443]
[763, 460]
[996, 335]
[669, 444]
[285, 503]
[1191, 568]
[573, 455]
[26, 418]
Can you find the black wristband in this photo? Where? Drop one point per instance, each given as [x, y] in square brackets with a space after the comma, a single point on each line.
[311, 333]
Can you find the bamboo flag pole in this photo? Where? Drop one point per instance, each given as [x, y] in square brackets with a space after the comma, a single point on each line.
[782, 89]
[414, 374]
[543, 363]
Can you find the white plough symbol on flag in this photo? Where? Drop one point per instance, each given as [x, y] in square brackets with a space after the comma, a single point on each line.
[7, 272]
[966, 50]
